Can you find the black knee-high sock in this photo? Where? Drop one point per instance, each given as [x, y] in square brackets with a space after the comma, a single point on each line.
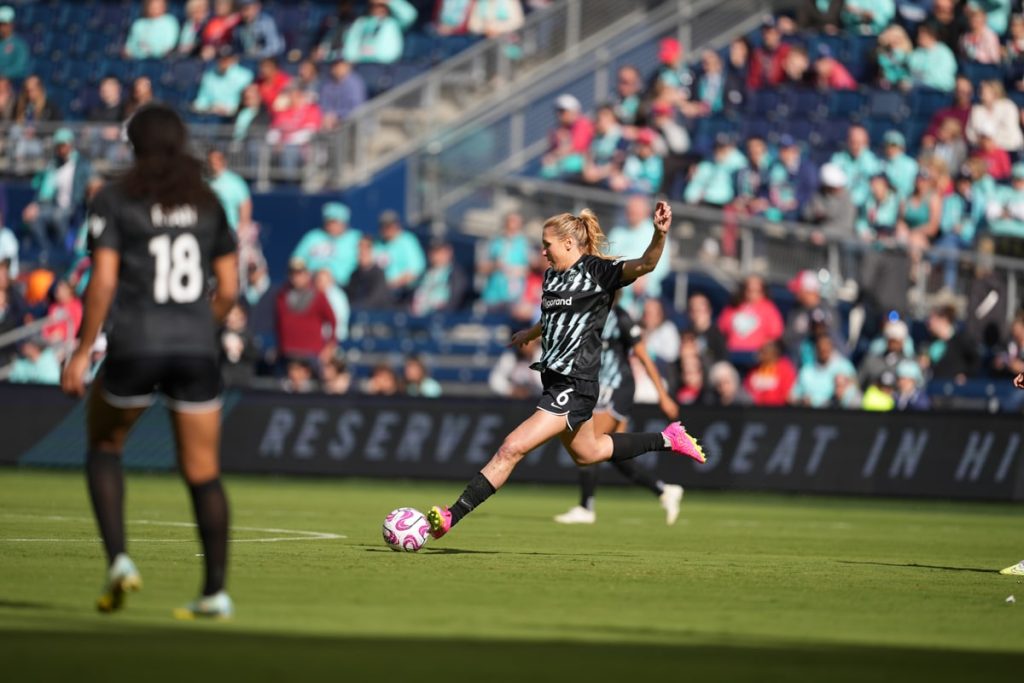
[628, 446]
[588, 486]
[106, 490]
[477, 491]
[211, 509]
[635, 474]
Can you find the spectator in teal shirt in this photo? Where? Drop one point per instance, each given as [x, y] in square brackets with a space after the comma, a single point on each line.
[400, 254]
[932, 64]
[37, 364]
[154, 34]
[961, 214]
[333, 247]
[899, 168]
[877, 219]
[378, 37]
[220, 90]
[15, 60]
[714, 180]
[870, 17]
[231, 189]
[859, 164]
[1006, 206]
[998, 12]
[505, 265]
[816, 383]
[643, 169]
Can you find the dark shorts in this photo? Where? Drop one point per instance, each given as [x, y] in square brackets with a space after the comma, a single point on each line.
[617, 402]
[189, 384]
[569, 396]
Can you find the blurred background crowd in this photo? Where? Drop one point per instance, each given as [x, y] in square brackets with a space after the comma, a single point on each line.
[894, 125]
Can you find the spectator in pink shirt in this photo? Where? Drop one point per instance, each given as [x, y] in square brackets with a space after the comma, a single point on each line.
[830, 73]
[65, 303]
[980, 43]
[569, 142]
[753, 320]
[294, 122]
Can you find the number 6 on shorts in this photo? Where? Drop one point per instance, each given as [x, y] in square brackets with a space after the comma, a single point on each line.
[563, 398]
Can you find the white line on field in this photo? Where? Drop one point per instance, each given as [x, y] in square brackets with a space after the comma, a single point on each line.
[296, 534]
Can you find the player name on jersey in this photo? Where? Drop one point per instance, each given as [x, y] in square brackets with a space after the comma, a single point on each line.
[177, 217]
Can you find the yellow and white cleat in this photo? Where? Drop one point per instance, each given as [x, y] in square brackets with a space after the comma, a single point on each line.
[122, 577]
[216, 606]
[1014, 569]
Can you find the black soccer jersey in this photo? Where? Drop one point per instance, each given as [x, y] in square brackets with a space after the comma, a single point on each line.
[620, 335]
[162, 304]
[574, 308]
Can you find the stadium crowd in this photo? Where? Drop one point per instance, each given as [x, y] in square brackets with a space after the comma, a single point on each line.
[690, 131]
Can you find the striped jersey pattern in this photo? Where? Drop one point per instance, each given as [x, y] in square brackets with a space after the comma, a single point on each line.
[620, 335]
[574, 307]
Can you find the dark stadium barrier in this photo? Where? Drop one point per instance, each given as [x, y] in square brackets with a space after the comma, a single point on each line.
[947, 455]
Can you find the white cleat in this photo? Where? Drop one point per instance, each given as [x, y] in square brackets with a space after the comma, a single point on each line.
[216, 606]
[577, 515]
[122, 577]
[1013, 569]
[671, 497]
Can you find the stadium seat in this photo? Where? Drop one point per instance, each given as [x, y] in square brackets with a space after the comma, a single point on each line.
[846, 104]
[886, 104]
[925, 101]
[977, 73]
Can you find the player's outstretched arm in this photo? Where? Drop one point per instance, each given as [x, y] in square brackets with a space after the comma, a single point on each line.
[524, 337]
[1018, 381]
[98, 297]
[639, 267]
[665, 402]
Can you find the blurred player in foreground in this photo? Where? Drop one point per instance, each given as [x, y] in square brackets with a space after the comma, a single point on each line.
[578, 290]
[157, 236]
[621, 338]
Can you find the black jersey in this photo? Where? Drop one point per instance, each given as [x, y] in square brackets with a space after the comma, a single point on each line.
[574, 308]
[620, 335]
[162, 304]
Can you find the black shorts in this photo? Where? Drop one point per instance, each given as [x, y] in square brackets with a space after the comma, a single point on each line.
[617, 402]
[569, 396]
[189, 384]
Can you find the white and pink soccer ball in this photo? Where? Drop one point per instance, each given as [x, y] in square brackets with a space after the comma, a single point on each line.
[406, 529]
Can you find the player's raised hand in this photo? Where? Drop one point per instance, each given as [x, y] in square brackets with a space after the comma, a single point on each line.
[72, 380]
[663, 216]
[1018, 381]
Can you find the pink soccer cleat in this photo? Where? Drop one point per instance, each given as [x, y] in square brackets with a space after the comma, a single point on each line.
[440, 521]
[683, 443]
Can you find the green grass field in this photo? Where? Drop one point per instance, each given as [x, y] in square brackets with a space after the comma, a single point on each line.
[744, 588]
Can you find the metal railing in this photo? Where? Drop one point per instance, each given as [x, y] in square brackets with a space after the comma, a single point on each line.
[30, 331]
[25, 150]
[395, 124]
[449, 170]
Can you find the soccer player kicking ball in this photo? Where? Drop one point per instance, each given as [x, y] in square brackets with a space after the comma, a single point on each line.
[578, 291]
[620, 339]
[1016, 569]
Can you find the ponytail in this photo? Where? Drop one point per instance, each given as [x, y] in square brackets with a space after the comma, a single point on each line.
[583, 228]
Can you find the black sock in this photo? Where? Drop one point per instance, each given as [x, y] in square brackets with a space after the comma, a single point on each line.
[211, 509]
[106, 490]
[588, 486]
[477, 491]
[628, 446]
[635, 474]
